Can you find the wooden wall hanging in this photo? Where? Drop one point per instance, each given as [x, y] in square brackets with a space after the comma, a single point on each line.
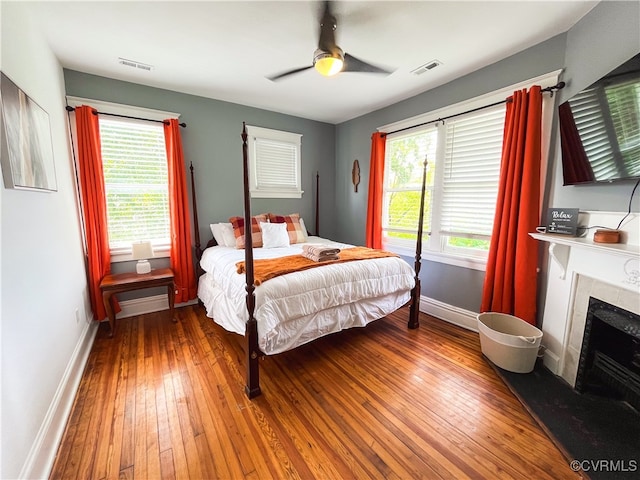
[355, 175]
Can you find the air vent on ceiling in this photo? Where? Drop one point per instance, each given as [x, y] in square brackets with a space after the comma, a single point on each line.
[134, 64]
[427, 66]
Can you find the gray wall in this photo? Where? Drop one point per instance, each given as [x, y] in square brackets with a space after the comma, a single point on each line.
[604, 38]
[212, 142]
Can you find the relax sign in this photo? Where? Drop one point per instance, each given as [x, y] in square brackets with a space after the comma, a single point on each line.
[562, 220]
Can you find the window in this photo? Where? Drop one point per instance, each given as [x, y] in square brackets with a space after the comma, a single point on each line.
[405, 155]
[134, 161]
[473, 150]
[461, 185]
[274, 163]
[135, 174]
[464, 154]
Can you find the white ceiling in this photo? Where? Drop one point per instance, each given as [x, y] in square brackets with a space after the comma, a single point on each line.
[224, 50]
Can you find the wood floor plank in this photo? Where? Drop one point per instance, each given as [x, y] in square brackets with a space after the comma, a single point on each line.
[166, 400]
[127, 448]
[175, 440]
[220, 462]
[182, 413]
[109, 439]
[152, 443]
[448, 413]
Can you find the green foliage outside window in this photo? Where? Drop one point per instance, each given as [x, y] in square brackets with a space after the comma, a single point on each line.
[406, 157]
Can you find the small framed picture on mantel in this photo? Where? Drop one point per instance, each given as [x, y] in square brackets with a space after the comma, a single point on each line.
[563, 221]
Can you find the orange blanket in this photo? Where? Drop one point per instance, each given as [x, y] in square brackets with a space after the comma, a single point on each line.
[266, 268]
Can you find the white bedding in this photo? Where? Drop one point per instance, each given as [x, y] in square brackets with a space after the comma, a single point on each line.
[296, 308]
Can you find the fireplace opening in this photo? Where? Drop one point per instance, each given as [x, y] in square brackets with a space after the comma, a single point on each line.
[610, 356]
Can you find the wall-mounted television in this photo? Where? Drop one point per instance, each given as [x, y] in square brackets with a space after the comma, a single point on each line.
[600, 129]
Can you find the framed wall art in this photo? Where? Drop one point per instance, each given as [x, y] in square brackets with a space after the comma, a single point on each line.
[26, 151]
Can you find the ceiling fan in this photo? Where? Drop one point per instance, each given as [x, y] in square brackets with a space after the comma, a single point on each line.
[329, 59]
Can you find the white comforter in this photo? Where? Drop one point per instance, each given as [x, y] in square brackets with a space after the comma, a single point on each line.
[298, 307]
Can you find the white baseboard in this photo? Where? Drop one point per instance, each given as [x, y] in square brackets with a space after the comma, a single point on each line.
[467, 319]
[153, 303]
[43, 451]
[40, 460]
[449, 313]
[551, 361]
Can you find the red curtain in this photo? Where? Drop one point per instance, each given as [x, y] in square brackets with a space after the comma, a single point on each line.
[181, 256]
[94, 205]
[376, 183]
[575, 164]
[510, 284]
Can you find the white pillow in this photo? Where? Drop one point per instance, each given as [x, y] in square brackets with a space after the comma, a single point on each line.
[304, 229]
[229, 236]
[223, 233]
[274, 235]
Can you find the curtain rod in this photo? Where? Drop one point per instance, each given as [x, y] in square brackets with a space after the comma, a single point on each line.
[95, 112]
[558, 86]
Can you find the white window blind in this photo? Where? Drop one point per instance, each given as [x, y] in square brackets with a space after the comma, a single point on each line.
[274, 158]
[136, 181]
[462, 178]
[471, 172]
[464, 155]
[276, 165]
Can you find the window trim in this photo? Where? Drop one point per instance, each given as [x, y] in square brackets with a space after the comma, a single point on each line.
[123, 254]
[121, 109]
[294, 139]
[548, 111]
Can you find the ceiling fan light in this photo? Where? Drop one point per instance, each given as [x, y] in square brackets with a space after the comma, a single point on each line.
[328, 64]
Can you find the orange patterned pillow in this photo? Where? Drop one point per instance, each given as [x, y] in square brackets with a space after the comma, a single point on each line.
[256, 234]
[294, 229]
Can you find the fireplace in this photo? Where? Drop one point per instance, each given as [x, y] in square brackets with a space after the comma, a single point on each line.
[609, 362]
[578, 269]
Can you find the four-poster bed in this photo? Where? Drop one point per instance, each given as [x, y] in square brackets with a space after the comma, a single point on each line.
[295, 307]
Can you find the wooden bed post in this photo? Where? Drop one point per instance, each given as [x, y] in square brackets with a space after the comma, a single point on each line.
[414, 309]
[317, 204]
[252, 387]
[196, 231]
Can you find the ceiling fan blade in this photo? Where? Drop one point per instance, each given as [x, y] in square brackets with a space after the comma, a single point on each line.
[353, 64]
[273, 78]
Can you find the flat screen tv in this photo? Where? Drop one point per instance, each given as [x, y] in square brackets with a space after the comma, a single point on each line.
[600, 129]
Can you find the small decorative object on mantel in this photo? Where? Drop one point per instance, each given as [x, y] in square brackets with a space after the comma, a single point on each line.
[355, 175]
[606, 236]
[562, 220]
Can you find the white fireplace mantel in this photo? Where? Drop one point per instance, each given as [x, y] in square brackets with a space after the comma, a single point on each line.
[560, 248]
[578, 268]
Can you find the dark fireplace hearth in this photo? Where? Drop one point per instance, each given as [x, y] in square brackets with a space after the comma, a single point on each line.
[610, 356]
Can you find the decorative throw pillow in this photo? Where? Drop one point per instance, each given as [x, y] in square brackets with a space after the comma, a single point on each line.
[274, 235]
[296, 232]
[256, 234]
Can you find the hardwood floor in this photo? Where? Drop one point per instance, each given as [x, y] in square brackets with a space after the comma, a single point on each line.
[165, 400]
